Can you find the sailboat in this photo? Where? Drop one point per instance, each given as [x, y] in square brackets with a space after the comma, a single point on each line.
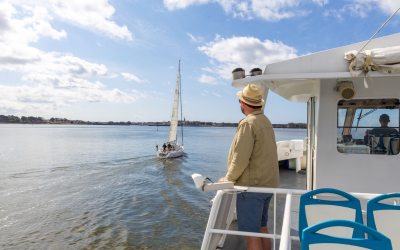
[172, 148]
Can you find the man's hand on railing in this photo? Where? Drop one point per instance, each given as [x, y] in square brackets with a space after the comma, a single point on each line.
[221, 180]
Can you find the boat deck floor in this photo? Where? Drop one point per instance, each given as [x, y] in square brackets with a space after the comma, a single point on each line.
[288, 179]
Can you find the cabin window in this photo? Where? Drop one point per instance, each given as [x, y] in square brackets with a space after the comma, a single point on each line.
[368, 126]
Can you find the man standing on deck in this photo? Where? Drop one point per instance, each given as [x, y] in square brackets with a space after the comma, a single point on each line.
[253, 162]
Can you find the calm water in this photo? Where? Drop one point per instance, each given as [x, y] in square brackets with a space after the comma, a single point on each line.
[102, 187]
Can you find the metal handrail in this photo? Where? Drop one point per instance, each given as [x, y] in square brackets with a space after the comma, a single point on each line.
[285, 237]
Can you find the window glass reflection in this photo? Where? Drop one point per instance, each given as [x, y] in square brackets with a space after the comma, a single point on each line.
[368, 126]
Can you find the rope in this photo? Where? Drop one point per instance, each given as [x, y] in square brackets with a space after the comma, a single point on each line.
[368, 61]
[378, 30]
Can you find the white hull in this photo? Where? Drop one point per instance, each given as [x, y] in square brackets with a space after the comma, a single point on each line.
[170, 154]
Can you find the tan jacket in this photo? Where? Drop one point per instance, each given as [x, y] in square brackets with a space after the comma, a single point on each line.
[253, 157]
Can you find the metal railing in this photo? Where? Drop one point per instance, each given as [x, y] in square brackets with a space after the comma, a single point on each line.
[285, 237]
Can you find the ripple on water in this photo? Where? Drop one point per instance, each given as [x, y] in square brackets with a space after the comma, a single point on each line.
[104, 188]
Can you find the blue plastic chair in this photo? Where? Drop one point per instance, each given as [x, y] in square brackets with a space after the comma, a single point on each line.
[324, 210]
[385, 218]
[375, 241]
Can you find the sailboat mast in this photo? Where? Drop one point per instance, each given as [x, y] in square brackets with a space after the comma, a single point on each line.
[173, 128]
[180, 97]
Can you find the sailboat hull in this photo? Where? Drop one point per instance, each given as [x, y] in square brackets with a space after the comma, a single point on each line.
[170, 154]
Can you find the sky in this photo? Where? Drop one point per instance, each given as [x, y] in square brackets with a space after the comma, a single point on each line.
[106, 60]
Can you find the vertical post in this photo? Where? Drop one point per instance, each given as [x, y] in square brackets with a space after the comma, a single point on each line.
[285, 237]
[298, 164]
[265, 90]
[310, 141]
[211, 220]
[274, 220]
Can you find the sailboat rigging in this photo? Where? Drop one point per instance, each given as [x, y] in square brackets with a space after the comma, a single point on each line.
[172, 148]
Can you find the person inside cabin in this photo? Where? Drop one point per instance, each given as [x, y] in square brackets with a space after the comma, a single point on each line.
[383, 130]
[253, 162]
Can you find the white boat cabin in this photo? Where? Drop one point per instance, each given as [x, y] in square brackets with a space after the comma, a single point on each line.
[342, 152]
[352, 146]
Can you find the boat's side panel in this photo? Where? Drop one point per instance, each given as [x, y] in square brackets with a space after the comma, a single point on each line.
[353, 172]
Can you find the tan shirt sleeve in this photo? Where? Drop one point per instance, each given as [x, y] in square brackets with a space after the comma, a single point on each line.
[241, 152]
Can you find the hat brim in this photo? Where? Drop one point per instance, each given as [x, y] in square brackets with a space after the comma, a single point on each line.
[240, 96]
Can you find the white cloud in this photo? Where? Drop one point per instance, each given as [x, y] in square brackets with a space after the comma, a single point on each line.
[113, 75]
[207, 69]
[245, 52]
[56, 79]
[94, 15]
[44, 98]
[354, 9]
[269, 10]
[216, 95]
[321, 2]
[386, 6]
[195, 39]
[182, 4]
[130, 77]
[209, 80]
[35, 23]
[61, 70]
[361, 8]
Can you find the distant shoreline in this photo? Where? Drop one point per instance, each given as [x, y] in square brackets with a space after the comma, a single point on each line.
[11, 119]
[201, 126]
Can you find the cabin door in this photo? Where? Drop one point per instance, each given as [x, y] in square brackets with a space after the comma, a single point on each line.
[310, 143]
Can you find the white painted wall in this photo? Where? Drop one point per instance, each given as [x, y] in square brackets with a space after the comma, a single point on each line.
[352, 172]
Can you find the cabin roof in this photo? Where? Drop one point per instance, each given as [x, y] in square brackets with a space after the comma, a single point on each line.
[294, 79]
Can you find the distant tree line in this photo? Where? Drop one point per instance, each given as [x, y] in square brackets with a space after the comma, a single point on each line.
[53, 120]
[23, 119]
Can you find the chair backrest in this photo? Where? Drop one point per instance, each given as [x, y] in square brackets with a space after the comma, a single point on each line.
[394, 145]
[313, 211]
[385, 218]
[386, 142]
[376, 142]
[312, 240]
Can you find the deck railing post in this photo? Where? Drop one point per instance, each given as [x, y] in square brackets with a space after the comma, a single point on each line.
[274, 219]
[285, 235]
[211, 219]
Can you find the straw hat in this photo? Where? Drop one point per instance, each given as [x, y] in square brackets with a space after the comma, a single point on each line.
[252, 95]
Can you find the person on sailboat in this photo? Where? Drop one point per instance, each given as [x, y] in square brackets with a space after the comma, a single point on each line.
[164, 146]
[253, 161]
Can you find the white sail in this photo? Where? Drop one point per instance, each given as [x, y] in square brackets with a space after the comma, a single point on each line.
[173, 129]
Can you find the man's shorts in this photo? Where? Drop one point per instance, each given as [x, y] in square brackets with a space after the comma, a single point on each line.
[252, 211]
